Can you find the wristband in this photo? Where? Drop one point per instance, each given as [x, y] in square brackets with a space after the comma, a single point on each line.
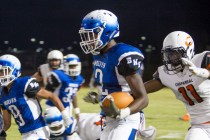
[76, 110]
[124, 112]
[201, 72]
[204, 73]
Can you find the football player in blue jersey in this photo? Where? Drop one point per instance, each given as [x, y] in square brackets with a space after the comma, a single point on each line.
[19, 99]
[58, 131]
[65, 84]
[117, 68]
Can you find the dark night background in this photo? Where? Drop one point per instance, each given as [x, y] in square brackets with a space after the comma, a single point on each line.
[56, 22]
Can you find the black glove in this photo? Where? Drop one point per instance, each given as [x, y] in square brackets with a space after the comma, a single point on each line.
[92, 97]
[112, 111]
[3, 135]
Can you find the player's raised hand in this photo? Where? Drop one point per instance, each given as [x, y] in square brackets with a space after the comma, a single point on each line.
[187, 62]
[92, 97]
[201, 72]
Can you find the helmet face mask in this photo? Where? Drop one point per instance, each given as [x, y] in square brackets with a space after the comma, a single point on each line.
[56, 128]
[98, 28]
[55, 59]
[176, 45]
[10, 68]
[172, 59]
[91, 42]
[54, 63]
[72, 65]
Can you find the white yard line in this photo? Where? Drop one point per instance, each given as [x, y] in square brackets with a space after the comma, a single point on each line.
[171, 135]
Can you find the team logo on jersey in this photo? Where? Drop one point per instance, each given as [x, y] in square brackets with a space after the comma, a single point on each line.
[99, 64]
[184, 82]
[34, 85]
[10, 101]
[135, 62]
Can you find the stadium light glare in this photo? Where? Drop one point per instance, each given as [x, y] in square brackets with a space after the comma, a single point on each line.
[6, 42]
[33, 39]
[41, 42]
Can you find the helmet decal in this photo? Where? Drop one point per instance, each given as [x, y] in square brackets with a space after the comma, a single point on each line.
[188, 41]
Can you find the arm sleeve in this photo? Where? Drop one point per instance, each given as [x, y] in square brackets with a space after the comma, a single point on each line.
[129, 65]
[206, 61]
[52, 82]
[32, 88]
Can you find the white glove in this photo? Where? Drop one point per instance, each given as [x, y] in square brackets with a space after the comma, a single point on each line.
[201, 72]
[124, 113]
[66, 118]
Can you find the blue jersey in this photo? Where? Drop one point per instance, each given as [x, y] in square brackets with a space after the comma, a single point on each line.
[21, 102]
[111, 68]
[64, 86]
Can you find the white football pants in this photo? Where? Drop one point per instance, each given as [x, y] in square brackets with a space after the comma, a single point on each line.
[199, 132]
[121, 129]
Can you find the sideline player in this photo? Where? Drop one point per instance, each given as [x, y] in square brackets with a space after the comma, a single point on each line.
[54, 61]
[116, 67]
[19, 99]
[66, 83]
[190, 83]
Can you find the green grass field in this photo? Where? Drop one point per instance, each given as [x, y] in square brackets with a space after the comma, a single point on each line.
[162, 112]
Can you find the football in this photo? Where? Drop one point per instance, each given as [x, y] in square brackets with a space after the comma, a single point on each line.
[121, 99]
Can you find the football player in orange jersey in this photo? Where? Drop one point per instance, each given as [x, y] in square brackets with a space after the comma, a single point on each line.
[190, 82]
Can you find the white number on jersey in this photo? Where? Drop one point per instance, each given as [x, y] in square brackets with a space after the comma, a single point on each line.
[70, 90]
[16, 114]
[100, 73]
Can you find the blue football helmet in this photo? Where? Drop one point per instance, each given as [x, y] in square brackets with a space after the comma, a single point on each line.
[10, 69]
[98, 28]
[72, 65]
[55, 122]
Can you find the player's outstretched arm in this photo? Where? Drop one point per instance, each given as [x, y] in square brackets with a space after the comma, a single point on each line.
[153, 86]
[45, 94]
[76, 108]
[38, 76]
